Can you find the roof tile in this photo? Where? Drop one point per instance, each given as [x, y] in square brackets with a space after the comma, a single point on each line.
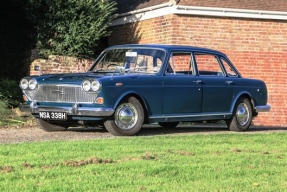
[267, 5]
[131, 5]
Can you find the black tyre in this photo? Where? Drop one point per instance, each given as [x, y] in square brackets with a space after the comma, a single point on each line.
[242, 116]
[168, 124]
[127, 119]
[50, 127]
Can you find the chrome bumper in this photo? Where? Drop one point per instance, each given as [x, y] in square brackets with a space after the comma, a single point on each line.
[24, 108]
[262, 108]
[74, 110]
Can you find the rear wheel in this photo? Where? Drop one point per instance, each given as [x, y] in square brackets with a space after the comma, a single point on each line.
[242, 116]
[50, 127]
[168, 124]
[127, 119]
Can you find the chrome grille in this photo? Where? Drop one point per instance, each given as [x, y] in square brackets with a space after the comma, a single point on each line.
[61, 93]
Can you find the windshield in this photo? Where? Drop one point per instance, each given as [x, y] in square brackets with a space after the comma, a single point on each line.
[139, 60]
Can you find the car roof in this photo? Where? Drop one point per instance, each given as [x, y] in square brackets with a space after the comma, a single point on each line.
[168, 47]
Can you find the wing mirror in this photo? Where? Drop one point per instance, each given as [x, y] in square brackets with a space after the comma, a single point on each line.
[38, 68]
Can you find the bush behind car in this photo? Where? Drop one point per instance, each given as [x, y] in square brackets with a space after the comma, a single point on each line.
[10, 92]
[10, 98]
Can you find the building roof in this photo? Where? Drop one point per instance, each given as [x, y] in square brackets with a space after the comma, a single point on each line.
[138, 10]
[266, 5]
[131, 5]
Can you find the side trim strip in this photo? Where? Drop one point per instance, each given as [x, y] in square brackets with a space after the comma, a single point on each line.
[190, 115]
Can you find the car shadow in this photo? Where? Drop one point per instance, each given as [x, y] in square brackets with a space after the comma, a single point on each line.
[87, 129]
[205, 129]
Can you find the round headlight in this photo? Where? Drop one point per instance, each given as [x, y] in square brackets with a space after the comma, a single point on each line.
[86, 85]
[32, 84]
[24, 84]
[96, 85]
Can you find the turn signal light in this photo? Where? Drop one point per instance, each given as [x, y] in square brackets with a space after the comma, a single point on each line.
[100, 100]
[25, 98]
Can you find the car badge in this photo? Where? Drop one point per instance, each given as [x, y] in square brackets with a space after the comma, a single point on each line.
[58, 92]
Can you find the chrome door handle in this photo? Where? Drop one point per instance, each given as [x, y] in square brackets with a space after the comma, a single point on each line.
[229, 82]
[197, 81]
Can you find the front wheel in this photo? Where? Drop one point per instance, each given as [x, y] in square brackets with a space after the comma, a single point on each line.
[127, 119]
[50, 127]
[242, 116]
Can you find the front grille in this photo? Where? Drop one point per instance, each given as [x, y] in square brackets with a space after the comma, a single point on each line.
[60, 93]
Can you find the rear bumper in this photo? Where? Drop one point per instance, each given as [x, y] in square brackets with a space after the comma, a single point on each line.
[262, 108]
[74, 110]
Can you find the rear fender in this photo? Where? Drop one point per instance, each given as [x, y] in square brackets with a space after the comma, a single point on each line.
[242, 94]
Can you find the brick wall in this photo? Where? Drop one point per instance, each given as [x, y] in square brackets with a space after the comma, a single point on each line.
[258, 48]
[155, 30]
[60, 64]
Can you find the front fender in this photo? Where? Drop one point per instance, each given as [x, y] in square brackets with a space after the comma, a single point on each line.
[127, 94]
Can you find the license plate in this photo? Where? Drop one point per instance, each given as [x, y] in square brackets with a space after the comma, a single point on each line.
[53, 115]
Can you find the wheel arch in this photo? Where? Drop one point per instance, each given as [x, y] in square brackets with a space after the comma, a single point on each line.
[246, 95]
[137, 96]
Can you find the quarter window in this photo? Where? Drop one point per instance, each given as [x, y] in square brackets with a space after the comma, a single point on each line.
[228, 68]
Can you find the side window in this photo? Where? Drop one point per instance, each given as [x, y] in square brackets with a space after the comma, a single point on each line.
[180, 63]
[208, 64]
[228, 68]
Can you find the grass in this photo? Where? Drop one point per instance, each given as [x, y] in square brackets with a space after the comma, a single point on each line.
[216, 162]
[13, 117]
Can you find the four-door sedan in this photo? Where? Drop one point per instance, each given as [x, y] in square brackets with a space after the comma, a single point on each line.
[132, 85]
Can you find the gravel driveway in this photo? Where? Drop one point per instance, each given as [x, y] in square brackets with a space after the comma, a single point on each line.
[35, 134]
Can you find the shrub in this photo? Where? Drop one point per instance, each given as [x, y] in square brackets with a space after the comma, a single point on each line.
[3, 108]
[5, 113]
[10, 93]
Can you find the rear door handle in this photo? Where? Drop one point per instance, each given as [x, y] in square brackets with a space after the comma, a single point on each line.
[197, 81]
[229, 82]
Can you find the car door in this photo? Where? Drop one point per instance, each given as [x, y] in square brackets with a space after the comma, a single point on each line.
[182, 89]
[217, 94]
[217, 87]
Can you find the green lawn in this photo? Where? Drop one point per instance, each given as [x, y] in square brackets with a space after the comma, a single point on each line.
[216, 162]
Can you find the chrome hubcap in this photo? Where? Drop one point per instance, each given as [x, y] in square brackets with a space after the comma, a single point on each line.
[242, 114]
[126, 116]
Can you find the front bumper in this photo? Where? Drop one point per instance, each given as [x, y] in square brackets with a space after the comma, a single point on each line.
[24, 108]
[74, 110]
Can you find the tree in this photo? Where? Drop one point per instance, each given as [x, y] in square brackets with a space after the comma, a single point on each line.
[70, 27]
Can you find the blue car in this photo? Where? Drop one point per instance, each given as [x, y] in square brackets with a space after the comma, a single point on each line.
[135, 84]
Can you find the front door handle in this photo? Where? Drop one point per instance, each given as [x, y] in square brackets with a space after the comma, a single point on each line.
[229, 82]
